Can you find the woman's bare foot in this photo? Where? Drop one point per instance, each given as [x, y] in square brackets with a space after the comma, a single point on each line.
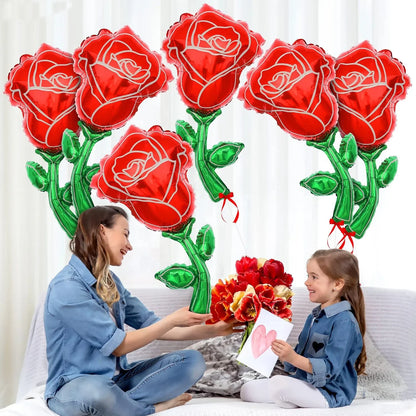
[176, 401]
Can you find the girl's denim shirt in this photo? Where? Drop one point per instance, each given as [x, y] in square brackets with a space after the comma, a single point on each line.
[80, 333]
[332, 341]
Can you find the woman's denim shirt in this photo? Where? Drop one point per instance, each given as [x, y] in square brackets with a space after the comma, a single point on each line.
[80, 333]
[332, 341]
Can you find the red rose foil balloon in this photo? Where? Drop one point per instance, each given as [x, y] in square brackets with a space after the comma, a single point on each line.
[210, 50]
[368, 85]
[43, 86]
[118, 72]
[146, 171]
[292, 84]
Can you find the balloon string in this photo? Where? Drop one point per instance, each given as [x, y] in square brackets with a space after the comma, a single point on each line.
[348, 235]
[241, 239]
[229, 197]
[345, 234]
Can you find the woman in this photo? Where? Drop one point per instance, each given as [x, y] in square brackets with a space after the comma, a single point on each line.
[85, 311]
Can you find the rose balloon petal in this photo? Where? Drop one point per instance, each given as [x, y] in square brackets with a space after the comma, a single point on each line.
[43, 86]
[118, 72]
[210, 50]
[291, 83]
[146, 171]
[368, 85]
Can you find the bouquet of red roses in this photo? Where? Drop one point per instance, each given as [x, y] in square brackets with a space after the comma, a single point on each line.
[258, 283]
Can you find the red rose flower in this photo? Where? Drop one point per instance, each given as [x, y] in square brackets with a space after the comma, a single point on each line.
[272, 272]
[279, 307]
[249, 278]
[368, 85]
[286, 280]
[220, 312]
[248, 309]
[246, 264]
[210, 50]
[221, 298]
[242, 296]
[146, 171]
[43, 86]
[285, 313]
[265, 292]
[118, 72]
[291, 83]
[223, 291]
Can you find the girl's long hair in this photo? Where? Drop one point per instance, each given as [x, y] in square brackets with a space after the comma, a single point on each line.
[340, 264]
[88, 245]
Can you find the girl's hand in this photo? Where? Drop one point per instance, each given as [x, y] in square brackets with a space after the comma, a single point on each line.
[184, 317]
[283, 350]
[288, 354]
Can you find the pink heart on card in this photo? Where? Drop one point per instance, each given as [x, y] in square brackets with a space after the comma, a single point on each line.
[260, 341]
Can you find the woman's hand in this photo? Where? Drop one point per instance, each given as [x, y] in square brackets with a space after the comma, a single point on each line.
[178, 325]
[193, 329]
[184, 317]
[223, 328]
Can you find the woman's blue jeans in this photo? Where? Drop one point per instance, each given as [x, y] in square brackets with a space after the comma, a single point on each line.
[132, 392]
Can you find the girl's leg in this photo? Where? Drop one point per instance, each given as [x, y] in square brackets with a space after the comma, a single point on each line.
[291, 392]
[96, 395]
[284, 391]
[162, 378]
[256, 391]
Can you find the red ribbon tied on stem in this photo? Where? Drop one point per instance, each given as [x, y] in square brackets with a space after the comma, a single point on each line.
[229, 197]
[346, 235]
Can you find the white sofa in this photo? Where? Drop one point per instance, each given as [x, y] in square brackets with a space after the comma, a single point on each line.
[391, 328]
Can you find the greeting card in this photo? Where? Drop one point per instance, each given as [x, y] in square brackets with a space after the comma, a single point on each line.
[256, 352]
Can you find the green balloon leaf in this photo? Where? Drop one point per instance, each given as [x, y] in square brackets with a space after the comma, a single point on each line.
[348, 150]
[186, 131]
[90, 171]
[360, 192]
[205, 242]
[65, 194]
[224, 154]
[177, 276]
[387, 171]
[321, 183]
[197, 275]
[70, 145]
[37, 175]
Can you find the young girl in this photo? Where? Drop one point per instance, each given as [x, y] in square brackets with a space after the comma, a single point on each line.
[330, 351]
[85, 311]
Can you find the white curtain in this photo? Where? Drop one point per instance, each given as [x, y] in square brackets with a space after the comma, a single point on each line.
[278, 218]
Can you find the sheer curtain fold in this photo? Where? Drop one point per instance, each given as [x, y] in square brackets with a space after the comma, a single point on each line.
[278, 218]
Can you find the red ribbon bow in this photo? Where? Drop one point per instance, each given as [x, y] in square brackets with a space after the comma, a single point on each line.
[229, 197]
[345, 234]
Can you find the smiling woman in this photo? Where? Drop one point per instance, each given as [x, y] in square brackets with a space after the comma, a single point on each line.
[278, 218]
[86, 310]
[116, 240]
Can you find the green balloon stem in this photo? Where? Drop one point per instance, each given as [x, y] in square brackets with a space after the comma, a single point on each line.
[66, 218]
[362, 218]
[210, 180]
[247, 332]
[81, 191]
[345, 195]
[201, 296]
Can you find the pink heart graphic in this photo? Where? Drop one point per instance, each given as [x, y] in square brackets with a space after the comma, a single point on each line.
[260, 341]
